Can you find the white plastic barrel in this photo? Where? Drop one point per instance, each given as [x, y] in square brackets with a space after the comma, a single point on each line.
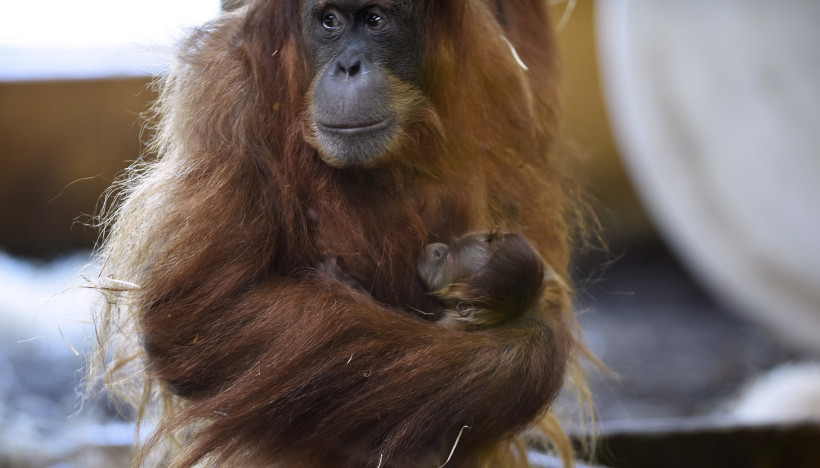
[716, 111]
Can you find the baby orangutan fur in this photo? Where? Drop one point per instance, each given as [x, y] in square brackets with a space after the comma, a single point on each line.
[293, 138]
[485, 279]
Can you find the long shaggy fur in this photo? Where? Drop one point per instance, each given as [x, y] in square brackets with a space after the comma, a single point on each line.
[217, 322]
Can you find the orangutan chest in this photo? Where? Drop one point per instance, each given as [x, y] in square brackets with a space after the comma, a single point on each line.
[379, 247]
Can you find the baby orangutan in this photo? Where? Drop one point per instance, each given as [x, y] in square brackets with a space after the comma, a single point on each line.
[483, 279]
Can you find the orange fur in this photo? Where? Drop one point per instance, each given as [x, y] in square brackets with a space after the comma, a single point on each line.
[249, 356]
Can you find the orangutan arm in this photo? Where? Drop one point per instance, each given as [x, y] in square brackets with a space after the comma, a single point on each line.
[308, 365]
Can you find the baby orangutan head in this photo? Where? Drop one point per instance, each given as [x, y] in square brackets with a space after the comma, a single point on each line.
[483, 278]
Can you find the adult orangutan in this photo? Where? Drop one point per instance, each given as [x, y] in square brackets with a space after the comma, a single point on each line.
[296, 134]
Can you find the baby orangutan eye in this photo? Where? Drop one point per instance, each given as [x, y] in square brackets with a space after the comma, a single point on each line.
[465, 309]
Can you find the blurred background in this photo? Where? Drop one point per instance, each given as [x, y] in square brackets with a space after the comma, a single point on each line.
[697, 126]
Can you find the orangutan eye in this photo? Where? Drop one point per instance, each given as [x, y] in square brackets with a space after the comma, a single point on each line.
[375, 22]
[331, 22]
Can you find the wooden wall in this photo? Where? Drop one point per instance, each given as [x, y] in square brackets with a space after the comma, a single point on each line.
[586, 123]
[61, 143]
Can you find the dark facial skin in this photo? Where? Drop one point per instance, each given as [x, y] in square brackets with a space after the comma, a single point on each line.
[357, 47]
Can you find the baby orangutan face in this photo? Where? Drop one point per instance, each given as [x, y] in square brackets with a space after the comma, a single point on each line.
[442, 265]
[483, 278]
